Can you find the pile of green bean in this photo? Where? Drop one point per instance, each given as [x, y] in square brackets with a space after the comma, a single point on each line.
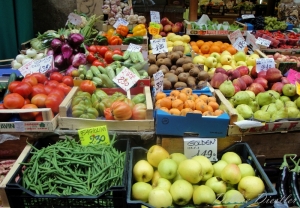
[67, 168]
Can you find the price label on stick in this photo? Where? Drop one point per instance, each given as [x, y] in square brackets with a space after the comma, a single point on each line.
[94, 135]
[126, 79]
[263, 64]
[134, 48]
[240, 44]
[234, 36]
[201, 146]
[155, 16]
[120, 21]
[159, 45]
[250, 40]
[263, 42]
[154, 28]
[158, 81]
[247, 16]
[42, 65]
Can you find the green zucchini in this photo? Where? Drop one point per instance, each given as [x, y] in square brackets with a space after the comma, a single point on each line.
[12, 77]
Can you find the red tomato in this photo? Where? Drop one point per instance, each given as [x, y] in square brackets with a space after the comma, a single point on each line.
[68, 80]
[56, 76]
[63, 87]
[108, 57]
[47, 89]
[12, 85]
[29, 116]
[4, 116]
[103, 50]
[117, 51]
[52, 83]
[58, 92]
[41, 78]
[53, 101]
[108, 114]
[98, 63]
[39, 117]
[38, 89]
[39, 100]
[91, 57]
[87, 86]
[92, 48]
[24, 89]
[27, 101]
[30, 80]
[13, 101]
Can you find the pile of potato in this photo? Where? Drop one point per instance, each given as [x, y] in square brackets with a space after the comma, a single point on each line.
[179, 70]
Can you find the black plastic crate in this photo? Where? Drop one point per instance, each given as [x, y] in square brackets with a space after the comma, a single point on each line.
[115, 196]
[242, 149]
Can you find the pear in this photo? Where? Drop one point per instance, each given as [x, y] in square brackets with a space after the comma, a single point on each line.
[239, 117]
[293, 112]
[264, 98]
[254, 105]
[223, 107]
[271, 108]
[281, 114]
[262, 115]
[279, 104]
[275, 94]
[297, 102]
[251, 94]
[241, 97]
[290, 103]
[227, 88]
[284, 98]
[244, 110]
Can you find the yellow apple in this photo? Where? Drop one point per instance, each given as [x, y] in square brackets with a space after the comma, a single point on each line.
[178, 43]
[226, 59]
[241, 63]
[156, 154]
[186, 38]
[227, 67]
[225, 52]
[199, 59]
[170, 44]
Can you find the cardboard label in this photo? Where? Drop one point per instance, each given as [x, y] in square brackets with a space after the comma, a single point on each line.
[134, 48]
[293, 76]
[94, 135]
[75, 19]
[247, 16]
[251, 43]
[120, 21]
[240, 44]
[263, 42]
[158, 81]
[234, 36]
[126, 79]
[155, 16]
[159, 45]
[154, 28]
[207, 147]
[263, 64]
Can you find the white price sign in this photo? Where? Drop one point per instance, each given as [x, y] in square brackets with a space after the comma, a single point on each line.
[263, 64]
[234, 36]
[120, 21]
[159, 45]
[247, 16]
[240, 44]
[207, 147]
[158, 81]
[155, 16]
[250, 40]
[126, 79]
[263, 42]
[134, 48]
[75, 19]
[42, 65]
[26, 68]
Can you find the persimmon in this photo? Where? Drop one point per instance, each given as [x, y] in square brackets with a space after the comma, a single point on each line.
[174, 111]
[177, 104]
[197, 111]
[187, 91]
[182, 96]
[212, 99]
[166, 102]
[195, 96]
[174, 93]
[204, 98]
[164, 109]
[189, 104]
[157, 103]
[210, 109]
[218, 112]
[214, 105]
[160, 95]
[207, 113]
[185, 111]
[198, 100]
[195, 48]
[201, 107]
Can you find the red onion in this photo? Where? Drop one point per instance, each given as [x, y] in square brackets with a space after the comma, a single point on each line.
[75, 39]
[50, 52]
[59, 61]
[56, 44]
[79, 59]
[66, 50]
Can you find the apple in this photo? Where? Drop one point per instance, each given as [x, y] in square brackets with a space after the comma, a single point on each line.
[167, 168]
[199, 59]
[190, 170]
[155, 178]
[163, 34]
[251, 187]
[217, 79]
[178, 157]
[226, 59]
[261, 81]
[159, 197]
[203, 195]
[163, 183]
[240, 56]
[207, 168]
[225, 53]
[218, 167]
[276, 55]
[216, 55]
[253, 72]
[176, 28]
[231, 157]
[156, 154]
[179, 24]
[289, 90]
[240, 82]
[161, 27]
[221, 70]
[217, 185]
[273, 75]
[177, 177]
[236, 88]
[181, 192]
[167, 28]
[233, 198]
[262, 74]
[211, 62]
[247, 79]
[256, 88]
[233, 74]
[244, 70]
[143, 171]
[246, 169]
[140, 191]
[165, 21]
[251, 61]
[241, 63]
[228, 67]
[231, 174]
[277, 86]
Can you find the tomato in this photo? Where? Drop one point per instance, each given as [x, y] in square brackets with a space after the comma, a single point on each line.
[47, 89]
[38, 89]
[91, 57]
[4, 116]
[98, 63]
[108, 57]
[27, 101]
[39, 100]
[68, 80]
[108, 114]
[39, 117]
[53, 101]
[121, 110]
[30, 80]
[63, 87]
[139, 111]
[12, 85]
[52, 83]
[117, 51]
[87, 86]
[92, 48]
[13, 101]
[56, 76]
[41, 78]
[98, 48]
[103, 50]
[58, 92]
[29, 116]
[24, 89]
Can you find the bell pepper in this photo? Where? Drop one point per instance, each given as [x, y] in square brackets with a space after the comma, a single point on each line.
[139, 98]
[122, 30]
[101, 40]
[133, 39]
[83, 111]
[139, 30]
[115, 40]
[110, 33]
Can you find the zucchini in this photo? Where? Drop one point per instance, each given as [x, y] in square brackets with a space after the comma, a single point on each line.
[117, 57]
[140, 56]
[12, 77]
[134, 57]
[126, 55]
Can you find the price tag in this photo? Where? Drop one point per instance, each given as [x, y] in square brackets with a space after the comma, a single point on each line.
[159, 45]
[263, 42]
[247, 16]
[158, 81]
[247, 124]
[240, 44]
[263, 64]
[94, 135]
[250, 40]
[297, 88]
[42, 65]
[155, 16]
[126, 79]
[207, 147]
[26, 68]
[75, 19]
[154, 28]
[120, 21]
[293, 76]
[234, 36]
[19, 126]
[134, 48]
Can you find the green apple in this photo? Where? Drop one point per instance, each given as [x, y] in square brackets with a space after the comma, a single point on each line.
[231, 157]
[190, 170]
[218, 167]
[181, 192]
[143, 171]
[163, 183]
[155, 178]
[216, 55]
[159, 197]
[225, 53]
[199, 59]
[203, 195]
[207, 168]
[140, 191]
[251, 187]
[167, 168]
[219, 65]
[177, 177]
[246, 169]
[227, 67]
[289, 90]
[178, 157]
[251, 61]
[156, 154]
[217, 185]
[211, 62]
[241, 63]
[240, 56]
[226, 59]
[254, 55]
[231, 174]
[232, 199]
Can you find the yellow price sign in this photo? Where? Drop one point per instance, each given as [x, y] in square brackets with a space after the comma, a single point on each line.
[297, 87]
[94, 135]
[153, 30]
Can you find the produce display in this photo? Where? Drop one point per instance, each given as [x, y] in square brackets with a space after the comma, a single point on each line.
[265, 23]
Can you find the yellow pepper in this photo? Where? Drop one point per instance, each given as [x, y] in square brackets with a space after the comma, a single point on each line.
[110, 32]
[139, 30]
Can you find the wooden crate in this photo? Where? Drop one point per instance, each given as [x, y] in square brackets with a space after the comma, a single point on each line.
[71, 123]
[48, 124]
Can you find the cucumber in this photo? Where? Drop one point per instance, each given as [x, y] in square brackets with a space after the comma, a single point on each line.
[134, 57]
[140, 56]
[117, 57]
[12, 77]
[140, 65]
[126, 55]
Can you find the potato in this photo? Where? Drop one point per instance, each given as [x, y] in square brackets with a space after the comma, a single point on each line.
[161, 55]
[179, 70]
[182, 77]
[194, 71]
[174, 57]
[167, 62]
[180, 85]
[164, 68]
[187, 67]
[160, 62]
[191, 82]
[167, 85]
[153, 68]
[152, 59]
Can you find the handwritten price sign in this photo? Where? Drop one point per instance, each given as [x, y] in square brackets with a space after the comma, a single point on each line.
[94, 135]
[240, 44]
[159, 46]
[158, 81]
[155, 16]
[134, 48]
[263, 42]
[42, 65]
[126, 79]
[234, 36]
[263, 64]
[120, 21]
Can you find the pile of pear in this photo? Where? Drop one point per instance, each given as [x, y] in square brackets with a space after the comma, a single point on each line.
[268, 106]
[162, 180]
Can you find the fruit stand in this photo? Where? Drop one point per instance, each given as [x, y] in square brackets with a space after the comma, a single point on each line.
[152, 111]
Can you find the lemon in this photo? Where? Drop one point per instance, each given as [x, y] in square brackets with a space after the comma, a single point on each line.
[156, 36]
[170, 43]
[170, 49]
[186, 38]
[170, 35]
[178, 43]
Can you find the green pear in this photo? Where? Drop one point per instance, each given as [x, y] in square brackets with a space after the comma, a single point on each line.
[251, 94]
[297, 101]
[223, 107]
[262, 115]
[239, 117]
[244, 110]
[231, 101]
[275, 94]
[241, 97]
[284, 98]
[271, 108]
[264, 98]
[254, 105]
[290, 103]
[227, 89]
[280, 114]
[279, 104]
[293, 112]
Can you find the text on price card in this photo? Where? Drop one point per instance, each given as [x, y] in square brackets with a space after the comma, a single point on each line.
[126, 79]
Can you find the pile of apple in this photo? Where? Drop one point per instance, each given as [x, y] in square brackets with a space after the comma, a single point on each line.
[285, 58]
[164, 179]
[166, 26]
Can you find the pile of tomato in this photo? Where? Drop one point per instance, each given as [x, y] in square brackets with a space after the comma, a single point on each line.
[36, 91]
[101, 55]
